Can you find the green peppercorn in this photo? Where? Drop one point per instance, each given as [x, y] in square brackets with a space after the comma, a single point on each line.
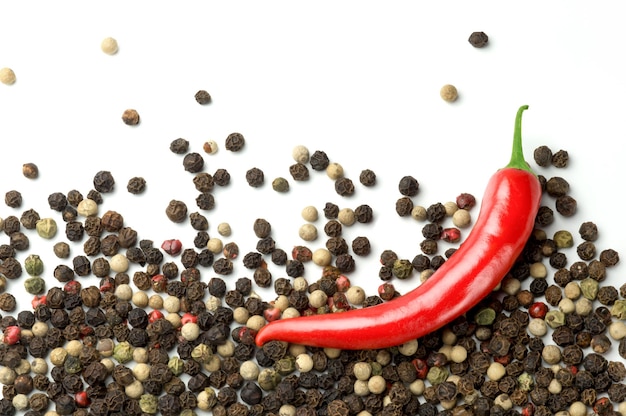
[525, 382]
[33, 265]
[437, 375]
[148, 403]
[46, 228]
[618, 309]
[402, 268]
[176, 366]
[563, 239]
[268, 379]
[202, 353]
[35, 285]
[286, 365]
[485, 316]
[123, 352]
[280, 184]
[555, 318]
[589, 288]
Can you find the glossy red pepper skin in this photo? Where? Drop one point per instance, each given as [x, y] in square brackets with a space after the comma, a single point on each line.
[506, 220]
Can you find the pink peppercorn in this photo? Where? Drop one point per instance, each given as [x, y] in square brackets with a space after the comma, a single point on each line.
[12, 335]
[465, 201]
[386, 291]
[72, 287]
[451, 235]
[154, 316]
[82, 399]
[38, 300]
[343, 283]
[271, 314]
[538, 310]
[172, 247]
[159, 283]
[421, 367]
[188, 317]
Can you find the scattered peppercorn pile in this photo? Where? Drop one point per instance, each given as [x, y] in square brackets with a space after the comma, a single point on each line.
[169, 330]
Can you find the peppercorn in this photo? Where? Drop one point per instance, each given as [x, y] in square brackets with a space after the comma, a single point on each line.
[299, 172]
[202, 97]
[560, 159]
[448, 93]
[344, 186]
[404, 206]
[566, 205]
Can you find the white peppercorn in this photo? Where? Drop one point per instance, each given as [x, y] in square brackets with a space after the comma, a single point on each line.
[300, 154]
[281, 302]
[227, 349]
[124, 292]
[140, 355]
[578, 408]
[377, 384]
[383, 357]
[39, 366]
[449, 93]
[458, 354]
[7, 76]
[448, 337]
[109, 46]
[255, 322]
[417, 387]
[461, 218]
[355, 295]
[171, 304]
[334, 170]
[551, 354]
[504, 401]
[300, 283]
[215, 245]
[617, 330]
[538, 270]
[304, 363]
[419, 213]
[362, 370]
[510, 285]
[322, 257]
[109, 364]
[119, 263]
[448, 404]
[537, 327]
[567, 306]
[87, 207]
[57, 356]
[249, 370]
[310, 213]
[212, 303]
[408, 348]
[446, 350]
[7, 375]
[206, 399]
[140, 299]
[360, 388]
[287, 410]
[210, 147]
[141, 371]
[155, 301]
[224, 229]
[572, 290]
[213, 364]
[174, 319]
[134, 390]
[290, 312]
[20, 402]
[496, 371]
[39, 329]
[240, 315]
[332, 352]
[74, 347]
[318, 298]
[555, 386]
[308, 232]
[451, 207]
[584, 306]
[346, 216]
[190, 331]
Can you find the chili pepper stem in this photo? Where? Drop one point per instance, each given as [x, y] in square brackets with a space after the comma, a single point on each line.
[517, 154]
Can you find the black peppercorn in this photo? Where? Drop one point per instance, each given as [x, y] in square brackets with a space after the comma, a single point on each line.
[136, 185]
[404, 206]
[193, 162]
[560, 159]
[235, 142]
[255, 177]
[344, 186]
[299, 172]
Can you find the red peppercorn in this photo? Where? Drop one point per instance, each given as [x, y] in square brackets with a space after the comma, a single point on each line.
[602, 405]
[82, 399]
[421, 367]
[172, 247]
[386, 291]
[86, 330]
[343, 283]
[246, 335]
[38, 300]
[538, 310]
[188, 317]
[528, 409]
[465, 201]
[159, 283]
[573, 369]
[451, 235]
[72, 287]
[271, 314]
[338, 302]
[12, 335]
[503, 359]
[106, 286]
[155, 316]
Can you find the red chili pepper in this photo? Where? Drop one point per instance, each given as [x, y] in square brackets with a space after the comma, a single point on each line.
[506, 220]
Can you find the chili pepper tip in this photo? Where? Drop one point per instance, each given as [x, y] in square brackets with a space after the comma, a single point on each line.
[517, 155]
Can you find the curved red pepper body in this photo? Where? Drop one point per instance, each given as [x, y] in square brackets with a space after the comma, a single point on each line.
[506, 220]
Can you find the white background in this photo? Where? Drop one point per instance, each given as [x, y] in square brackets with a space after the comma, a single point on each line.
[358, 80]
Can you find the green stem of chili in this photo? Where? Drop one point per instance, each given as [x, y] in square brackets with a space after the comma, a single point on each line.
[517, 155]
